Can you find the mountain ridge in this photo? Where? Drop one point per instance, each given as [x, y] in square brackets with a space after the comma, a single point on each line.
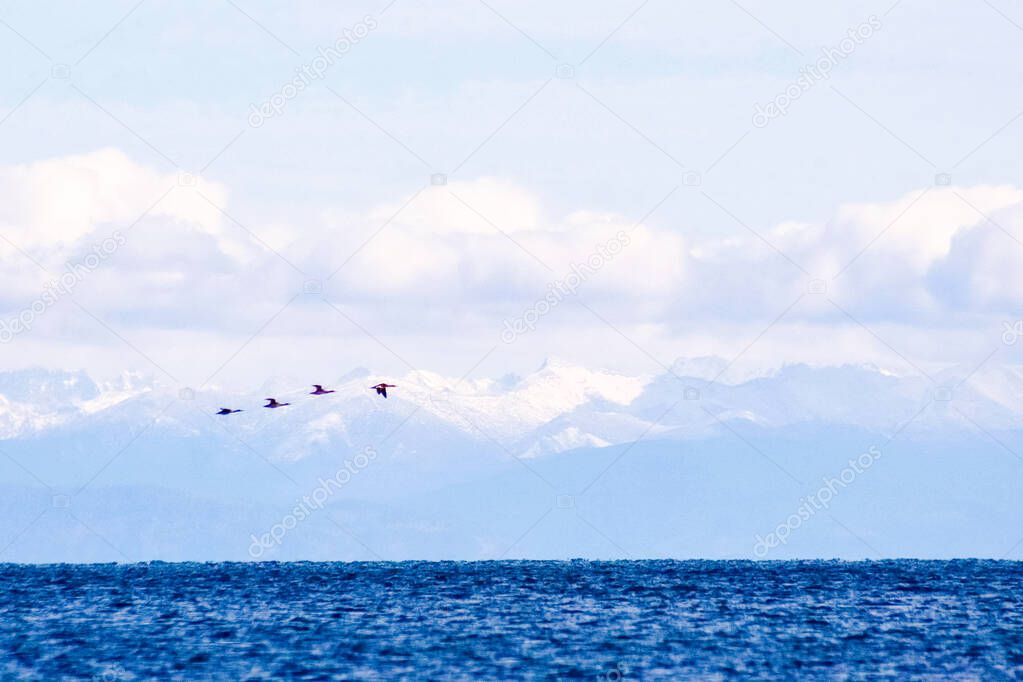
[558, 407]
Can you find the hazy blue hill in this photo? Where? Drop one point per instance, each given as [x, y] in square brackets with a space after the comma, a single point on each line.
[469, 473]
[659, 499]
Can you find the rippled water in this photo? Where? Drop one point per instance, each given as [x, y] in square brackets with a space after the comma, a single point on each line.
[513, 620]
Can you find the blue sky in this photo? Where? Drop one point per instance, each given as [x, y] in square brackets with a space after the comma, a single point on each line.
[107, 107]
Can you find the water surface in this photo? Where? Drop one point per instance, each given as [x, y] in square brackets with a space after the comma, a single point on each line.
[513, 620]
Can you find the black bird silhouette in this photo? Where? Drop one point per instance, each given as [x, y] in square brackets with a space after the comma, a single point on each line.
[227, 410]
[272, 403]
[319, 390]
[381, 389]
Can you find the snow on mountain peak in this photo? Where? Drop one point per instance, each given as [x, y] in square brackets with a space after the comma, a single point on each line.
[568, 386]
[558, 407]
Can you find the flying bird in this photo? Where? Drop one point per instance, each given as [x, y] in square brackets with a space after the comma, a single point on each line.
[227, 410]
[381, 389]
[272, 403]
[319, 390]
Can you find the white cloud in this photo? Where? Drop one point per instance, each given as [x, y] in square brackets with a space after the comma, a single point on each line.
[983, 271]
[54, 203]
[468, 255]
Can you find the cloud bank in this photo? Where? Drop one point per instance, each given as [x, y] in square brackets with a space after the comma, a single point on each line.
[465, 257]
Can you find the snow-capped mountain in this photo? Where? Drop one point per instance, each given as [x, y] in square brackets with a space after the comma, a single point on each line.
[558, 407]
[455, 469]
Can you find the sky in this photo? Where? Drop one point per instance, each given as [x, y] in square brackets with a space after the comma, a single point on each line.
[228, 190]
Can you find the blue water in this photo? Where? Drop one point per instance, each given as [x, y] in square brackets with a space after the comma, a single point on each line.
[513, 620]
